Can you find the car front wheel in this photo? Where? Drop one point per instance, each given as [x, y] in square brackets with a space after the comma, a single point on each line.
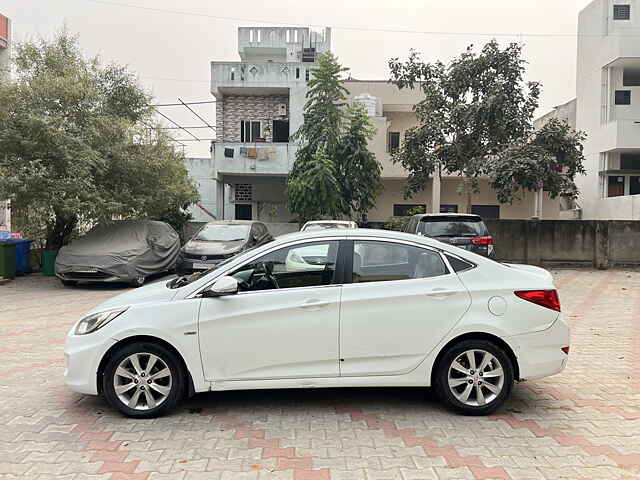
[474, 377]
[143, 380]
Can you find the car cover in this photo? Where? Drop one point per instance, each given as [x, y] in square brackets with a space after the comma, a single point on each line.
[126, 249]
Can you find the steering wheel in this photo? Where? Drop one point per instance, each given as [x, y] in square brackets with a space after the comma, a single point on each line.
[268, 274]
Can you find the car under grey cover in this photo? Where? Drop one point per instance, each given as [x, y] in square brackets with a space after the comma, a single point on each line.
[125, 249]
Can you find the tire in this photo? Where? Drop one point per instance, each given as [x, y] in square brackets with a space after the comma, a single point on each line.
[137, 282]
[69, 283]
[165, 390]
[490, 398]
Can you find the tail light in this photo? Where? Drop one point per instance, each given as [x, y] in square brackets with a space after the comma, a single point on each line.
[544, 298]
[482, 241]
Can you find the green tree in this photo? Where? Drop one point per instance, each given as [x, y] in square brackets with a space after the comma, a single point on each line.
[473, 109]
[314, 192]
[358, 173]
[76, 144]
[337, 133]
[550, 159]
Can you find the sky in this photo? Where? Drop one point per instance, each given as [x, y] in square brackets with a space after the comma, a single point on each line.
[171, 52]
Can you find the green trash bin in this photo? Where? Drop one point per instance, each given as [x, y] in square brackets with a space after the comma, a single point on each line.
[49, 262]
[7, 259]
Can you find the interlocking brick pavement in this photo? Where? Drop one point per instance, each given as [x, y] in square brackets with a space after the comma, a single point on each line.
[581, 424]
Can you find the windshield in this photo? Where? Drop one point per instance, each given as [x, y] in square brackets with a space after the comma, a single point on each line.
[323, 226]
[222, 233]
[452, 227]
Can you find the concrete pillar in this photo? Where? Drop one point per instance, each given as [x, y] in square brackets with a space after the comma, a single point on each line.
[436, 186]
[218, 194]
[538, 198]
[532, 242]
[601, 253]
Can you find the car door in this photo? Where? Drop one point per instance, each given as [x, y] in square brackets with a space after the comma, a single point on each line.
[284, 321]
[401, 302]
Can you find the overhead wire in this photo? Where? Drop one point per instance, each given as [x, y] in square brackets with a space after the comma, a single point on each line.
[357, 28]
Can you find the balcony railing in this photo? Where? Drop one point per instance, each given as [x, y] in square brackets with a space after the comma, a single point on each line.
[254, 158]
[275, 74]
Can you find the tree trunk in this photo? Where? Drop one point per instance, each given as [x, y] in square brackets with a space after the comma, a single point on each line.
[59, 233]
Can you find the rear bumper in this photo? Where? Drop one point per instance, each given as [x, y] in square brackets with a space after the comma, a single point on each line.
[539, 354]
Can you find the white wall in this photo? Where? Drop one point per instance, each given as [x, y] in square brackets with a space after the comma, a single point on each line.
[605, 46]
[394, 194]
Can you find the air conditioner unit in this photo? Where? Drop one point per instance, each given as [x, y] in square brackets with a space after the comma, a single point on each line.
[281, 110]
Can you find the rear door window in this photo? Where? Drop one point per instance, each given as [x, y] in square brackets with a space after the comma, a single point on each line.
[443, 226]
[376, 261]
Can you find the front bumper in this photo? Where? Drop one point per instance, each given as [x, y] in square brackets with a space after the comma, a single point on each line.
[189, 265]
[89, 277]
[82, 358]
[539, 354]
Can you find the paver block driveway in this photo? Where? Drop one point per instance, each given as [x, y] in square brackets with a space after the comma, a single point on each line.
[581, 424]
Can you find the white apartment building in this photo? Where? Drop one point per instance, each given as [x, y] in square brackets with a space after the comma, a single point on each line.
[260, 102]
[608, 108]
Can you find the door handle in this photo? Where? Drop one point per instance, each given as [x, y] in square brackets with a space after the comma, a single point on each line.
[440, 293]
[314, 304]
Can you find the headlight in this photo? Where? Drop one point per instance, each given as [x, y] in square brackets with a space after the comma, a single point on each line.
[97, 320]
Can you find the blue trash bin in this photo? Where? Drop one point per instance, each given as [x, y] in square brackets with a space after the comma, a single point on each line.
[23, 253]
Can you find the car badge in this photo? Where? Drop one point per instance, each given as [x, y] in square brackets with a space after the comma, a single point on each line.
[203, 257]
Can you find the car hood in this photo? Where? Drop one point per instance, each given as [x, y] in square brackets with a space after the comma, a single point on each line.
[213, 248]
[153, 292]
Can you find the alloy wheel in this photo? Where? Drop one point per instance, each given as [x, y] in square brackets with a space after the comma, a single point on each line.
[476, 378]
[142, 381]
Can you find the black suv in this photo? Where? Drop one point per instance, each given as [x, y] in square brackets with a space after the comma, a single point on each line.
[462, 230]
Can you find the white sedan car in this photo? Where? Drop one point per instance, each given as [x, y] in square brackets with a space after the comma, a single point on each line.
[385, 309]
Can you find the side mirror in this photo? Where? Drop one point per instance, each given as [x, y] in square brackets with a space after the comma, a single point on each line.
[222, 287]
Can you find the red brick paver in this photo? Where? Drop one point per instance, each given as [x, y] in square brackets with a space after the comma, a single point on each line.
[581, 424]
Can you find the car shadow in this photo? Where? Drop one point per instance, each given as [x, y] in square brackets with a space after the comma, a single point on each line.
[386, 400]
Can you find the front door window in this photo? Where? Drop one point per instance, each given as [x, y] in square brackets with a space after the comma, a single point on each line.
[305, 265]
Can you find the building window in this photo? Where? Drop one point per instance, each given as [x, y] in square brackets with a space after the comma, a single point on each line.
[634, 185]
[622, 12]
[448, 208]
[615, 186]
[408, 209]
[297, 73]
[306, 74]
[486, 211]
[631, 77]
[249, 131]
[623, 97]
[393, 141]
[629, 161]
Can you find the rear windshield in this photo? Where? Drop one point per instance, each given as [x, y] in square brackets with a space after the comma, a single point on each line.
[452, 227]
[222, 233]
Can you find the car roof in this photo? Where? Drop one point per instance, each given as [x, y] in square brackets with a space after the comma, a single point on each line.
[358, 232]
[232, 222]
[328, 221]
[436, 215]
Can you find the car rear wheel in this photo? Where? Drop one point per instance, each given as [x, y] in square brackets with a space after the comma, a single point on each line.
[474, 377]
[143, 380]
